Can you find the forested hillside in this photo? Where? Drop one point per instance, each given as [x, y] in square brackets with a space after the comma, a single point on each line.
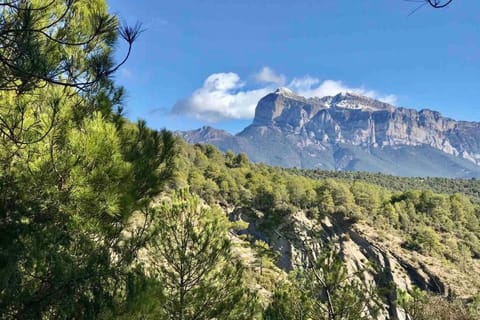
[439, 229]
[233, 180]
[469, 187]
[102, 218]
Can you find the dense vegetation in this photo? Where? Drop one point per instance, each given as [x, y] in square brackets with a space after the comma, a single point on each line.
[432, 223]
[469, 187]
[445, 226]
[101, 218]
[72, 170]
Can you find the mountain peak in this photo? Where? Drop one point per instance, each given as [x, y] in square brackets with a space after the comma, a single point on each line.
[349, 131]
[204, 133]
[287, 107]
[275, 104]
[285, 92]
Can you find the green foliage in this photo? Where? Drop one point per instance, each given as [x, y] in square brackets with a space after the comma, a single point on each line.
[419, 305]
[470, 187]
[191, 259]
[264, 255]
[440, 225]
[290, 302]
[324, 290]
[425, 240]
[66, 203]
[424, 218]
[367, 196]
[73, 172]
[325, 200]
[64, 43]
[77, 183]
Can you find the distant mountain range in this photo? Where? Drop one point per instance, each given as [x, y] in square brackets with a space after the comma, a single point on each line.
[352, 132]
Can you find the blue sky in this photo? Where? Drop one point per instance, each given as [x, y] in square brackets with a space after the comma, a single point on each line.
[206, 62]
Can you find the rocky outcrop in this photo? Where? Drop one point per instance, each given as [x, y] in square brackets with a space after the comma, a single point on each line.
[352, 132]
[387, 268]
[361, 121]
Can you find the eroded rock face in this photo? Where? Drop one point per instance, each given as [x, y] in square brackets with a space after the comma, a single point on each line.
[293, 131]
[357, 120]
[391, 269]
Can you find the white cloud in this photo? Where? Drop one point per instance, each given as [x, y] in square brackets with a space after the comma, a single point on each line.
[308, 86]
[225, 96]
[267, 75]
[221, 97]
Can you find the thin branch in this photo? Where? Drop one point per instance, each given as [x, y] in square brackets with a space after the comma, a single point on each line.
[437, 3]
[417, 8]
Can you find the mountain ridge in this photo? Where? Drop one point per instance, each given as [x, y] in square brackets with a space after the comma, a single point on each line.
[349, 131]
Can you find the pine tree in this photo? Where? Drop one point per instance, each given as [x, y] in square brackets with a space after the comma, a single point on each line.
[324, 290]
[191, 258]
[59, 42]
[72, 171]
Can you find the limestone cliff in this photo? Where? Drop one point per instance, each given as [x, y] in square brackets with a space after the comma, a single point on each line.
[353, 132]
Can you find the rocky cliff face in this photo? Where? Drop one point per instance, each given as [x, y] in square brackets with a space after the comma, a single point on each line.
[383, 260]
[353, 132]
[357, 120]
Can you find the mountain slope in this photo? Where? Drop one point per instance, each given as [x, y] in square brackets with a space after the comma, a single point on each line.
[352, 132]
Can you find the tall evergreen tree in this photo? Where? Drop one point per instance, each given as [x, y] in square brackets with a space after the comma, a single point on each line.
[72, 172]
[192, 260]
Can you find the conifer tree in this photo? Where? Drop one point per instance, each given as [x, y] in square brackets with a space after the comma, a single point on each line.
[192, 260]
[324, 290]
[72, 172]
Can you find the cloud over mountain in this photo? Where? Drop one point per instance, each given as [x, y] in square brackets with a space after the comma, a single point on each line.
[308, 86]
[225, 96]
[222, 96]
